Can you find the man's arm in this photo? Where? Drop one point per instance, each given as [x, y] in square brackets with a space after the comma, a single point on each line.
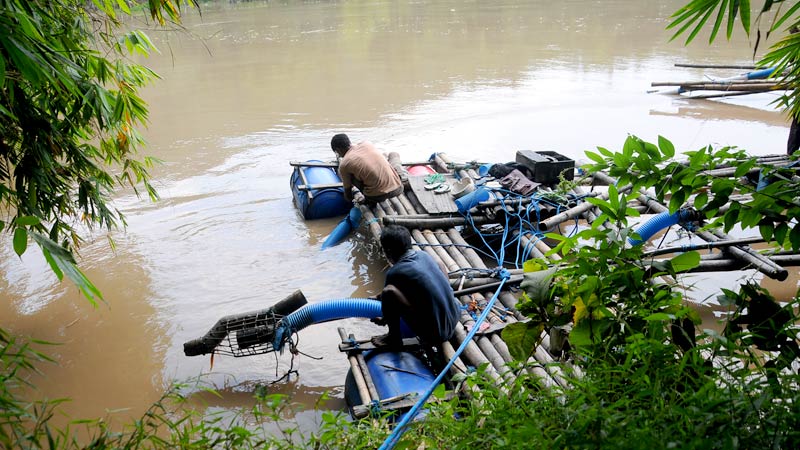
[347, 183]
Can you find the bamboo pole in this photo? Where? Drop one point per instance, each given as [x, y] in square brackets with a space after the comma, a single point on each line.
[446, 222]
[358, 376]
[474, 354]
[577, 210]
[448, 261]
[718, 66]
[373, 391]
[388, 208]
[451, 248]
[728, 264]
[398, 206]
[404, 200]
[372, 222]
[714, 83]
[469, 253]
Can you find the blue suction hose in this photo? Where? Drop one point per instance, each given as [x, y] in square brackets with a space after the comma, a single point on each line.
[323, 312]
[660, 222]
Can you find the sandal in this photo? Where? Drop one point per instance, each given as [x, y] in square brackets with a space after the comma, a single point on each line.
[430, 187]
[443, 188]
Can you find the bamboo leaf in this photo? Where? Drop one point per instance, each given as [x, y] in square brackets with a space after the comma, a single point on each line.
[744, 7]
[27, 221]
[732, 10]
[699, 26]
[788, 14]
[20, 240]
[123, 5]
[53, 266]
[718, 22]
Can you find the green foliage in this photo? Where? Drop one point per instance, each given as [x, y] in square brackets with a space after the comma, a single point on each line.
[175, 421]
[772, 209]
[780, 16]
[649, 381]
[69, 108]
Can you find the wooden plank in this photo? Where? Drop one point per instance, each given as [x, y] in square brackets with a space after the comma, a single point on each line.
[432, 202]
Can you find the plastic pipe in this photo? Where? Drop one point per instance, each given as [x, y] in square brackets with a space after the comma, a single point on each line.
[659, 222]
[323, 312]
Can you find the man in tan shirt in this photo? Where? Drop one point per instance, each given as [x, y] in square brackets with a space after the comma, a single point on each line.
[362, 166]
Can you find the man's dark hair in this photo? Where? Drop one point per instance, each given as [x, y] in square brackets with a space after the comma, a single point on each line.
[395, 240]
[340, 142]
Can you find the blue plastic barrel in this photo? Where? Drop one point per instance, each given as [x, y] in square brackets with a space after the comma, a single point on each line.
[397, 373]
[321, 203]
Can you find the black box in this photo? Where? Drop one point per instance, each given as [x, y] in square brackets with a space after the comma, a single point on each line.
[546, 166]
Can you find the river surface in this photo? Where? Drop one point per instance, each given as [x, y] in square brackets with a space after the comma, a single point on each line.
[248, 87]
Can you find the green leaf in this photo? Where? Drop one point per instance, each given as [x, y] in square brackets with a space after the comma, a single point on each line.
[744, 9]
[26, 221]
[522, 338]
[718, 22]
[700, 200]
[732, 10]
[766, 231]
[594, 156]
[780, 233]
[123, 5]
[794, 237]
[789, 13]
[685, 261]
[699, 26]
[667, 148]
[20, 240]
[660, 317]
[53, 266]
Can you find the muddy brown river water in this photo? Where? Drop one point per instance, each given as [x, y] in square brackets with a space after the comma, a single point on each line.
[249, 86]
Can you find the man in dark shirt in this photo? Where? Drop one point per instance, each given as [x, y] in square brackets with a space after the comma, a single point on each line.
[417, 290]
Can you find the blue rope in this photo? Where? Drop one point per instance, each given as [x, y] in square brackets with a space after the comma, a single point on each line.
[400, 428]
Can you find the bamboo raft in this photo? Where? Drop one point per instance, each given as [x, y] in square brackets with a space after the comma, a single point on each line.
[753, 82]
[444, 237]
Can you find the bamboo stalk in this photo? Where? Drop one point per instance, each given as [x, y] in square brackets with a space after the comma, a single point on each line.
[469, 253]
[577, 210]
[398, 206]
[750, 87]
[372, 222]
[714, 83]
[410, 209]
[454, 252]
[448, 261]
[474, 354]
[447, 222]
[373, 391]
[358, 376]
[727, 264]
[388, 208]
[718, 66]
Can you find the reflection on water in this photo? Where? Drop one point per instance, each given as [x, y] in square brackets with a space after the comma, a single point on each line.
[251, 86]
